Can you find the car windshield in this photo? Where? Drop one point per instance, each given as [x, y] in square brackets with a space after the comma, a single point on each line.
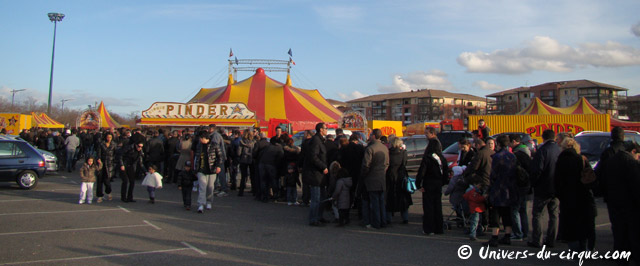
[593, 146]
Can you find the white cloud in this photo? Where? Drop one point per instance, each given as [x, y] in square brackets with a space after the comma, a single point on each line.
[545, 53]
[635, 29]
[434, 79]
[487, 86]
[341, 17]
[351, 96]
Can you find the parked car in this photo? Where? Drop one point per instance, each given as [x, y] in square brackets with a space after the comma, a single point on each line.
[20, 162]
[448, 137]
[525, 139]
[451, 153]
[415, 149]
[297, 138]
[593, 143]
[51, 161]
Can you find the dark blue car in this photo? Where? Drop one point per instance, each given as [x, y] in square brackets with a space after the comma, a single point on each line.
[20, 162]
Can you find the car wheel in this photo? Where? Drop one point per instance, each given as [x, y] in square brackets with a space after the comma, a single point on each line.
[27, 179]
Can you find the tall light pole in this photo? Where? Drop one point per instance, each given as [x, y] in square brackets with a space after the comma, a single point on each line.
[54, 17]
[13, 95]
[64, 101]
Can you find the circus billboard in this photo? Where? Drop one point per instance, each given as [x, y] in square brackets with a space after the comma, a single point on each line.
[197, 114]
[89, 119]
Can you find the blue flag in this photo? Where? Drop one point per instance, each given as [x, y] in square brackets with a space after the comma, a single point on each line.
[236, 60]
[290, 53]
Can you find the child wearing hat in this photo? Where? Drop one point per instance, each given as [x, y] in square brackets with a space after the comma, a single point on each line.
[186, 177]
[153, 181]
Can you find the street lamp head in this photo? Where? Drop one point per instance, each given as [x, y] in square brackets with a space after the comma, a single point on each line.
[56, 17]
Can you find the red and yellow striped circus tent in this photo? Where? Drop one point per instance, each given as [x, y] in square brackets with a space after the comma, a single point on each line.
[269, 99]
[44, 121]
[537, 107]
[106, 121]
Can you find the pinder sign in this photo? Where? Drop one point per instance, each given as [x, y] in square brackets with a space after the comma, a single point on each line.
[535, 130]
[198, 110]
[386, 131]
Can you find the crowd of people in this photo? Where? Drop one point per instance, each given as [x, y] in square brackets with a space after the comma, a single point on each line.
[490, 188]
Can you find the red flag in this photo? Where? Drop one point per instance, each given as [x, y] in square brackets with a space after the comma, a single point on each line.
[230, 52]
[291, 60]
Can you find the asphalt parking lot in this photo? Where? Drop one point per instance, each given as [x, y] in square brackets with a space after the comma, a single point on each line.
[46, 226]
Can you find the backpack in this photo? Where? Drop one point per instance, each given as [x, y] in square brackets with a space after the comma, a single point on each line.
[51, 145]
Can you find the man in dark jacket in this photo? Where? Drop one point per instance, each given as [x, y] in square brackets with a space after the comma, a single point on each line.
[623, 201]
[106, 157]
[131, 165]
[314, 169]
[258, 148]
[374, 169]
[270, 158]
[431, 177]
[519, 216]
[206, 164]
[478, 171]
[617, 145]
[155, 151]
[351, 159]
[543, 168]
[304, 149]
[171, 157]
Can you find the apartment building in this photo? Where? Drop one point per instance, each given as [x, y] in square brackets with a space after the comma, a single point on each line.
[604, 97]
[631, 108]
[419, 106]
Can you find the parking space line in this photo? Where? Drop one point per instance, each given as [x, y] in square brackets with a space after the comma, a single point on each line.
[74, 229]
[55, 212]
[152, 225]
[194, 248]
[97, 257]
[603, 225]
[16, 200]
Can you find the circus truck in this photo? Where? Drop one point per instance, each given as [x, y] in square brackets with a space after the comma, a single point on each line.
[232, 115]
[538, 117]
[534, 125]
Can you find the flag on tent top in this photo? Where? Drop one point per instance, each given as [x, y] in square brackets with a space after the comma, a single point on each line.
[230, 52]
[290, 53]
[291, 60]
[236, 60]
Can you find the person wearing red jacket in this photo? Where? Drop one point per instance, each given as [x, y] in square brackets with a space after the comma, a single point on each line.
[476, 206]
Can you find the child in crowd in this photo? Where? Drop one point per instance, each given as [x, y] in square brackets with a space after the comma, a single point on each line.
[88, 177]
[292, 178]
[476, 206]
[341, 195]
[186, 177]
[153, 181]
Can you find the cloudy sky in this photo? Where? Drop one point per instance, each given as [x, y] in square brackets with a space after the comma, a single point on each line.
[133, 53]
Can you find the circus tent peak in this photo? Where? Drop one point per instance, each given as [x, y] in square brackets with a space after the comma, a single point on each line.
[272, 99]
[106, 121]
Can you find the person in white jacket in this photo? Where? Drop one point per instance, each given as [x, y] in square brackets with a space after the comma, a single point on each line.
[153, 181]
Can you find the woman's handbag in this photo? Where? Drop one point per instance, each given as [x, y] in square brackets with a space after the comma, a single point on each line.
[410, 184]
[588, 176]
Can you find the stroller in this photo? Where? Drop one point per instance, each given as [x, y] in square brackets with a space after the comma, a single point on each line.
[459, 216]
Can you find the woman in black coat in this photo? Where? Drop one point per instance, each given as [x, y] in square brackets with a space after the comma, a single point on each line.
[398, 198]
[577, 205]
